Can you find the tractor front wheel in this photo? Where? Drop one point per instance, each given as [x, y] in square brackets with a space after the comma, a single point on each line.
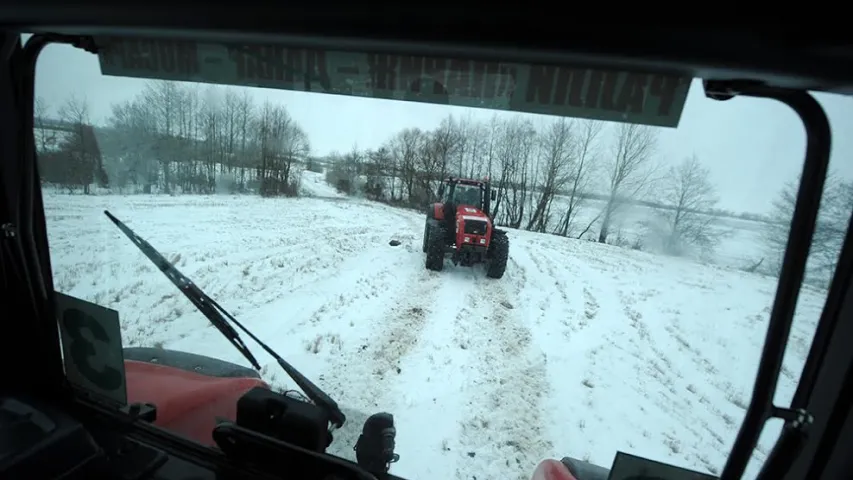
[435, 247]
[499, 254]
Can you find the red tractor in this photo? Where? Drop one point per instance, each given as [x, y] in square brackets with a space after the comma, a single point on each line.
[461, 224]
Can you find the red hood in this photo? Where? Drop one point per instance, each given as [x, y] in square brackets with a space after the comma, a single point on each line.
[187, 403]
[469, 212]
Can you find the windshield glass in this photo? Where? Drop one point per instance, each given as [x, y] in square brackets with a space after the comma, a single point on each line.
[642, 261]
[466, 195]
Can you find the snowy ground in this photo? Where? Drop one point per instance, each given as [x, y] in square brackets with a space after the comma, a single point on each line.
[581, 349]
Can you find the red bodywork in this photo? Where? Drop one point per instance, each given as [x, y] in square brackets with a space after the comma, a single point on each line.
[467, 212]
[190, 404]
[187, 403]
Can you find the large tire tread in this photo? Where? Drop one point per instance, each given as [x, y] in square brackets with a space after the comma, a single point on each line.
[435, 248]
[499, 248]
[426, 235]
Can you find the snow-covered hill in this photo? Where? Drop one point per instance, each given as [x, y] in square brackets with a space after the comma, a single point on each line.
[314, 185]
[581, 349]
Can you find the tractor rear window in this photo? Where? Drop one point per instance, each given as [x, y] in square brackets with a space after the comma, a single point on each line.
[609, 291]
[466, 194]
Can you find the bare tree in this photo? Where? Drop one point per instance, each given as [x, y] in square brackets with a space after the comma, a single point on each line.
[295, 147]
[230, 134]
[404, 148]
[245, 111]
[188, 139]
[514, 151]
[282, 143]
[75, 110]
[211, 118]
[431, 163]
[82, 157]
[131, 156]
[492, 132]
[689, 196]
[444, 145]
[187, 145]
[476, 138]
[630, 170]
[558, 151]
[581, 176]
[164, 97]
[45, 137]
[344, 170]
[377, 170]
[832, 223]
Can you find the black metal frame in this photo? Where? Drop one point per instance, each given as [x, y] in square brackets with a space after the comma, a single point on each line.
[761, 407]
[777, 54]
[771, 64]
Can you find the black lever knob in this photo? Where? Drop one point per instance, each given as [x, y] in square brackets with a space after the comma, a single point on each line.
[374, 450]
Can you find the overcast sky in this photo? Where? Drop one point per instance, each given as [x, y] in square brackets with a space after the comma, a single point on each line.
[751, 146]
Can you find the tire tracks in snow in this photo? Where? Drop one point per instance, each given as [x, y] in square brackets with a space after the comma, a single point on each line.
[502, 426]
[430, 388]
[361, 377]
[565, 307]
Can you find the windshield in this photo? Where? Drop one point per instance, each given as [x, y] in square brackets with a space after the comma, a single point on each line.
[642, 261]
[466, 195]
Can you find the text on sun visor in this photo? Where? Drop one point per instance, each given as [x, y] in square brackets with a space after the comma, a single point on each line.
[648, 98]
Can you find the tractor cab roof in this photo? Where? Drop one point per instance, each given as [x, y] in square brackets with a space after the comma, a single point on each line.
[467, 181]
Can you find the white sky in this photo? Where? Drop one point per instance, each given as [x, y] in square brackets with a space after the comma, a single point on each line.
[751, 146]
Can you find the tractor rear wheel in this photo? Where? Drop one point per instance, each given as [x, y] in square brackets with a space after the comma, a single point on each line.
[499, 254]
[426, 235]
[435, 247]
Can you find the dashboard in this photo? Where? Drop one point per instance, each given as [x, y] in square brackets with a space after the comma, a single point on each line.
[44, 440]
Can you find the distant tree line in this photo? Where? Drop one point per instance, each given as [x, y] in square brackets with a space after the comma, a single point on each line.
[177, 138]
[69, 155]
[566, 177]
[546, 176]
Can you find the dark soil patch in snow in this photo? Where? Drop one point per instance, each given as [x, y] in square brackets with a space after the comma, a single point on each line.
[408, 322]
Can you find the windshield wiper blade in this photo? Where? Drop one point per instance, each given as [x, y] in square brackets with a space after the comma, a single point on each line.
[204, 303]
[220, 318]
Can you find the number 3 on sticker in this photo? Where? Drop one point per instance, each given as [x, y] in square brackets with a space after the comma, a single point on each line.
[91, 343]
[83, 351]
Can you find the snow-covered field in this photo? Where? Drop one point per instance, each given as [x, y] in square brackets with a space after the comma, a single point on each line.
[581, 349]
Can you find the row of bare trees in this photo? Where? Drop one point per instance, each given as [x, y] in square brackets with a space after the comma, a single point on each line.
[69, 152]
[573, 178]
[186, 138]
[580, 179]
[544, 174]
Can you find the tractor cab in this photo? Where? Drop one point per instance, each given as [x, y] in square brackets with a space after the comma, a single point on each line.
[471, 193]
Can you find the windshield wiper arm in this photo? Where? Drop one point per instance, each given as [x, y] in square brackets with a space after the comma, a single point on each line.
[204, 303]
[220, 318]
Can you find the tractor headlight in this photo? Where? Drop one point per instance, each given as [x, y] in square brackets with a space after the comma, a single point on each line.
[483, 240]
[467, 240]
